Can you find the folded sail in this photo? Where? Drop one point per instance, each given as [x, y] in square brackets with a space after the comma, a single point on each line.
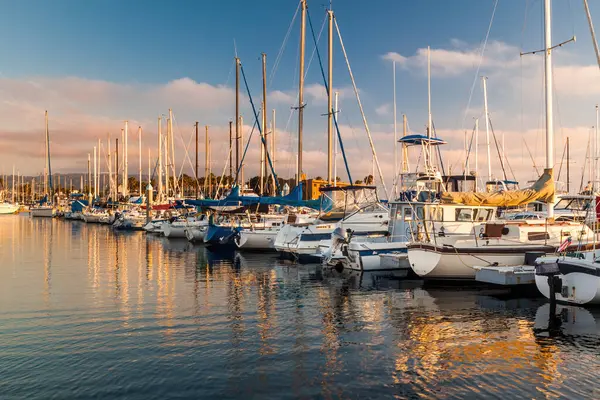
[542, 190]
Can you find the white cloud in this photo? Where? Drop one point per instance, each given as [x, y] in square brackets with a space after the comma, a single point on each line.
[384, 110]
[460, 57]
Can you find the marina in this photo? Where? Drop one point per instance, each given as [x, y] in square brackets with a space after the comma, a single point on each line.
[326, 255]
[87, 313]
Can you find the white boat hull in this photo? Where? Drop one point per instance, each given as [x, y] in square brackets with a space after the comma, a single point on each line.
[256, 240]
[366, 256]
[174, 230]
[43, 212]
[93, 218]
[581, 287]
[442, 264]
[196, 234]
[7, 208]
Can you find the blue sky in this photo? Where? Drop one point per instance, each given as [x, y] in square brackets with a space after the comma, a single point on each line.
[139, 46]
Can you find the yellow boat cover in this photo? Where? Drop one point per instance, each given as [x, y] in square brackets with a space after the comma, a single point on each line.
[542, 190]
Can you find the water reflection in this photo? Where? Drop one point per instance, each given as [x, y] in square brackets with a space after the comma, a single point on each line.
[225, 324]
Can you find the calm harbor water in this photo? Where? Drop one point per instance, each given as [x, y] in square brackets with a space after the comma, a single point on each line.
[87, 313]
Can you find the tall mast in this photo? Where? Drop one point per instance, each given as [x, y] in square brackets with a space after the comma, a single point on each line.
[395, 189]
[167, 141]
[117, 161]
[264, 146]
[429, 122]
[160, 165]
[549, 88]
[274, 184]
[428, 162]
[335, 145]
[126, 165]
[13, 184]
[45, 156]
[238, 128]
[196, 166]
[172, 154]
[210, 188]
[98, 174]
[95, 175]
[89, 178]
[241, 140]
[48, 156]
[301, 90]
[568, 172]
[487, 127]
[140, 159]
[591, 26]
[206, 161]
[330, 98]
[476, 151]
[230, 148]
[110, 175]
[596, 146]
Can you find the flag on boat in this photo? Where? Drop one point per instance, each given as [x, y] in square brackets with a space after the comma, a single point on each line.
[564, 245]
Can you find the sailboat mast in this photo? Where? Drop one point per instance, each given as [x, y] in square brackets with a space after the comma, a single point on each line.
[196, 166]
[596, 153]
[140, 158]
[13, 185]
[160, 165]
[238, 128]
[241, 140]
[487, 127]
[206, 177]
[335, 144]
[264, 146]
[230, 149]
[89, 182]
[126, 164]
[99, 173]
[548, 92]
[301, 90]
[172, 154]
[167, 158]
[568, 171]
[428, 163]
[110, 175]
[395, 189]
[48, 156]
[476, 151]
[95, 174]
[330, 97]
[274, 184]
[117, 164]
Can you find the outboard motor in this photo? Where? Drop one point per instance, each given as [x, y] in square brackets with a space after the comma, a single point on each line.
[338, 239]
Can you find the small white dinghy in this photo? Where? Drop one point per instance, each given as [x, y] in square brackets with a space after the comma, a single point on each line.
[573, 280]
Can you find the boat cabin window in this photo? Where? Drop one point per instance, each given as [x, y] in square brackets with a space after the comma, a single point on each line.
[483, 214]
[464, 214]
[408, 214]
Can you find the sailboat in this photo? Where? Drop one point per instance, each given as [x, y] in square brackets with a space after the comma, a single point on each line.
[8, 208]
[45, 207]
[503, 243]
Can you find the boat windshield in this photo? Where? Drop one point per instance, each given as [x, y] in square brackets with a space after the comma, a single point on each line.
[576, 204]
[348, 200]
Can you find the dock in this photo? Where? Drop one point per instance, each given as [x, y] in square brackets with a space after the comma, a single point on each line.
[506, 276]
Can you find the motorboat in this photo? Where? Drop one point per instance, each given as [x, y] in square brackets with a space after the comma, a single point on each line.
[356, 208]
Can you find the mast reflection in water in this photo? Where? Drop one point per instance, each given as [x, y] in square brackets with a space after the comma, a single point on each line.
[85, 312]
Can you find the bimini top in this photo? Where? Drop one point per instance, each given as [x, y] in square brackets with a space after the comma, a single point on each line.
[420, 139]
